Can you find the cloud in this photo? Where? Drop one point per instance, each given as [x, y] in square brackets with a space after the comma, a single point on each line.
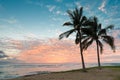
[57, 51]
[55, 10]
[1, 7]
[59, 12]
[52, 50]
[35, 3]
[78, 4]
[11, 49]
[2, 54]
[57, 19]
[56, 31]
[10, 20]
[58, 0]
[69, 5]
[102, 7]
[51, 7]
[9, 60]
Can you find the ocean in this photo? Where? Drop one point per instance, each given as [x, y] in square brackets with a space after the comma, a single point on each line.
[13, 70]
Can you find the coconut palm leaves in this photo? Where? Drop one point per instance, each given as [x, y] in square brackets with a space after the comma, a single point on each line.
[77, 20]
[94, 32]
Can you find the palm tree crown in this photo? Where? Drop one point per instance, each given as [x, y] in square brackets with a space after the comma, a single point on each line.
[76, 22]
[94, 32]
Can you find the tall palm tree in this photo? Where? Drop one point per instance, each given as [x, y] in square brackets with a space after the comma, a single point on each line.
[94, 32]
[76, 23]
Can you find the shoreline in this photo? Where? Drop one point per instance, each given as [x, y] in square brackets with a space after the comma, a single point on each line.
[18, 70]
[93, 73]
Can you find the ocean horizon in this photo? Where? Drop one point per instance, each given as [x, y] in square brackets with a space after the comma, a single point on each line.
[13, 70]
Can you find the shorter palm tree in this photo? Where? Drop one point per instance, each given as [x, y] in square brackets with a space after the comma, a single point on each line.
[94, 32]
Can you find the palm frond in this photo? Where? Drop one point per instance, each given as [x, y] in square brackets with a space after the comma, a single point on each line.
[99, 26]
[88, 22]
[83, 20]
[68, 24]
[110, 41]
[95, 21]
[92, 22]
[84, 42]
[101, 46]
[95, 24]
[71, 15]
[102, 32]
[87, 44]
[84, 36]
[109, 27]
[77, 13]
[66, 34]
[80, 12]
[87, 31]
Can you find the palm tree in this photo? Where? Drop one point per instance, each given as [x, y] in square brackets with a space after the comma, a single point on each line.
[94, 32]
[76, 23]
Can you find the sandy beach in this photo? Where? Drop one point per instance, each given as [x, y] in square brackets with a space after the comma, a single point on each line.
[91, 74]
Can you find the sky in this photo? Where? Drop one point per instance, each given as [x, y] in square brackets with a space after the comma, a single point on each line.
[29, 30]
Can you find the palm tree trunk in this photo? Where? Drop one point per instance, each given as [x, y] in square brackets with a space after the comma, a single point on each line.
[81, 52]
[98, 55]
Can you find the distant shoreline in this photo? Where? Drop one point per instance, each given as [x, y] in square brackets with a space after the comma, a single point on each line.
[107, 73]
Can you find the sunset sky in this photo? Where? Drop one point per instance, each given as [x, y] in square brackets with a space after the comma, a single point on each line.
[29, 30]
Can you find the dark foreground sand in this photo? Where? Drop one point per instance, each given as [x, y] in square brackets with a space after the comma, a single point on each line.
[92, 74]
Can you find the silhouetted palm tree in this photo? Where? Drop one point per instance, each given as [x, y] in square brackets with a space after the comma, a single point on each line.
[94, 32]
[76, 23]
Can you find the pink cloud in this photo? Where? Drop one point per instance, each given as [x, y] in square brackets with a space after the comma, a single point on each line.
[59, 51]
[52, 50]
[55, 51]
